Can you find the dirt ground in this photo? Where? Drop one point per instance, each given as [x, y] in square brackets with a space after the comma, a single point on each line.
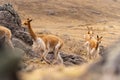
[69, 19]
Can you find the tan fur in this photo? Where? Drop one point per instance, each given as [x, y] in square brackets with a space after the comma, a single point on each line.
[33, 35]
[91, 43]
[7, 33]
[52, 40]
[45, 43]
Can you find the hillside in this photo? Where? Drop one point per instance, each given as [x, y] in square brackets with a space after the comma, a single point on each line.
[67, 19]
[87, 11]
[57, 16]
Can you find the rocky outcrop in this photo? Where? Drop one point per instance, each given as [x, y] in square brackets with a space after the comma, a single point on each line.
[10, 19]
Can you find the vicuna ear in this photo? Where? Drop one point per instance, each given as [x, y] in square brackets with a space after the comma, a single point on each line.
[97, 37]
[88, 31]
[88, 28]
[101, 37]
[30, 20]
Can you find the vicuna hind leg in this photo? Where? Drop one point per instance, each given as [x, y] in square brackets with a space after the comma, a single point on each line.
[56, 54]
[60, 58]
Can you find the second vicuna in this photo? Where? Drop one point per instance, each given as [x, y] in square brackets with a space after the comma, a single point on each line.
[92, 44]
[45, 44]
[6, 34]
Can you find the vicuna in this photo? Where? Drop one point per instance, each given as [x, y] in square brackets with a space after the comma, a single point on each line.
[45, 43]
[5, 34]
[92, 44]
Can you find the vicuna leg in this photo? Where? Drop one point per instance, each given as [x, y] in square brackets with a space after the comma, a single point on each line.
[60, 58]
[43, 57]
[96, 53]
[86, 44]
[92, 53]
[56, 53]
[88, 51]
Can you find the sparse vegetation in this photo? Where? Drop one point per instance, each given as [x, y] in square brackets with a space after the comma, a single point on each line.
[67, 19]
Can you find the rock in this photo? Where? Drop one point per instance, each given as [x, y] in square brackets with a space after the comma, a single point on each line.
[9, 60]
[10, 19]
[20, 44]
[68, 59]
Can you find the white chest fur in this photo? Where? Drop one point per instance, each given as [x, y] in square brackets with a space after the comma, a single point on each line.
[38, 45]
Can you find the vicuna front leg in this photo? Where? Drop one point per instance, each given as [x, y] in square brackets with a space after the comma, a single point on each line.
[86, 45]
[44, 55]
[92, 53]
[88, 51]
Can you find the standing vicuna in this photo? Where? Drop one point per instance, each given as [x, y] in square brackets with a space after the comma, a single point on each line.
[45, 43]
[91, 43]
[87, 37]
[5, 34]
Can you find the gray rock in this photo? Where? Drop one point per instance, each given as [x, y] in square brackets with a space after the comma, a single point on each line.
[10, 19]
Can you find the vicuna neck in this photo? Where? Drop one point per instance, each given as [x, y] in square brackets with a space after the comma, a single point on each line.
[97, 45]
[33, 35]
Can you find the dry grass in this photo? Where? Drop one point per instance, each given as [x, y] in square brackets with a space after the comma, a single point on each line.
[68, 19]
[55, 73]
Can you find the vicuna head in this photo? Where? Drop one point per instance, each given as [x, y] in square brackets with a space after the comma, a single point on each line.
[90, 30]
[27, 22]
[89, 34]
[99, 39]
